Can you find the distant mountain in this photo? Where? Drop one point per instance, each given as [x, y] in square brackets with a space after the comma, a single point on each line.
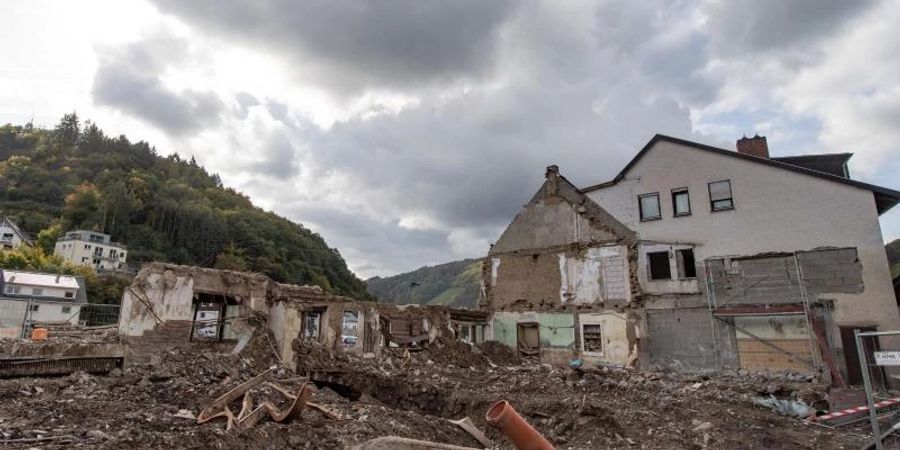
[455, 284]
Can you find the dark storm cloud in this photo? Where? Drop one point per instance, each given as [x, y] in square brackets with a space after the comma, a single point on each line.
[776, 24]
[128, 79]
[352, 45]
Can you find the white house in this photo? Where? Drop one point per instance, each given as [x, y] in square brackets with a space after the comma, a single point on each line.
[29, 297]
[91, 248]
[11, 236]
[736, 259]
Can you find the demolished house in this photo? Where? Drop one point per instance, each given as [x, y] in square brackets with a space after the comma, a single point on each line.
[169, 305]
[697, 258]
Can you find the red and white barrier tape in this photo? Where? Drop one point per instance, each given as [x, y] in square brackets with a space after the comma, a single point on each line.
[857, 410]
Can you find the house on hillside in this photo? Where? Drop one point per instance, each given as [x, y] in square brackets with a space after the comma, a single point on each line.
[30, 297]
[91, 248]
[698, 258]
[11, 236]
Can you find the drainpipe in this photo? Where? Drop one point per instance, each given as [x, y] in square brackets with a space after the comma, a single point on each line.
[503, 416]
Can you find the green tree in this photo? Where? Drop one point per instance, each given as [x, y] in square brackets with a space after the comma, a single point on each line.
[46, 239]
[231, 258]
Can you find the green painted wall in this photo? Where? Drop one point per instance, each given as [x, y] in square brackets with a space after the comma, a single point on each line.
[556, 329]
[504, 327]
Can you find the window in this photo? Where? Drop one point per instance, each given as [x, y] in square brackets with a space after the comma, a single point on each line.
[658, 266]
[35, 307]
[350, 325]
[7, 236]
[112, 253]
[66, 309]
[720, 196]
[98, 251]
[681, 202]
[69, 294]
[37, 291]
[687, 268]
[649, 206]
[311, 321]
[592, 338]
[87, 246]
[13, 289]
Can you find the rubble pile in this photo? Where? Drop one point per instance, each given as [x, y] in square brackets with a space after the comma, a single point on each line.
[406, 392]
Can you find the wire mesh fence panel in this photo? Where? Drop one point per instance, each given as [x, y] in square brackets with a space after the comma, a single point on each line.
[878, 354]
[93, 315]
[12, 317]
[19, 316]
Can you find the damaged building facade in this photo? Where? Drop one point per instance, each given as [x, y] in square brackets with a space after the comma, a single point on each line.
[169, 305]
[698, 258]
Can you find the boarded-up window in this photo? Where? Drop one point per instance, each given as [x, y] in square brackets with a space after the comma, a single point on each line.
[658, 266]
[593, 338]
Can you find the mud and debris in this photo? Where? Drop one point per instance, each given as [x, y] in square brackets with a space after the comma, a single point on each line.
[408, 393]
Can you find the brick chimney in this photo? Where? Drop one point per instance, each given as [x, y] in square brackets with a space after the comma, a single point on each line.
[755, 146]
[552, 175]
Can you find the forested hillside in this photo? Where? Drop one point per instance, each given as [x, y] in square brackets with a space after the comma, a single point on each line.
[454, 284]
[162, 208]
[893, 254]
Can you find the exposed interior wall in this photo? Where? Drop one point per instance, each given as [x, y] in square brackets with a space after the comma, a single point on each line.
[675, 285]
[789, 333]
[682, 339]
[549, 222]
[552, 279]
[618, 348]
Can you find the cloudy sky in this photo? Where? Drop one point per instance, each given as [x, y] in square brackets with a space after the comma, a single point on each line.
[408, 132]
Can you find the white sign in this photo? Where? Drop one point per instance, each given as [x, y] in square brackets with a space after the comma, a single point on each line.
[887, 358]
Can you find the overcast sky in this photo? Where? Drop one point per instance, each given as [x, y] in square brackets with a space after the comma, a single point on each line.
[409, 132]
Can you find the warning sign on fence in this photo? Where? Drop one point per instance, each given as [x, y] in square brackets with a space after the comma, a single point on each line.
[887, 358]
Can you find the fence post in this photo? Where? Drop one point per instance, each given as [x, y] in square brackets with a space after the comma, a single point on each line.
[864, 368]
[24, 332]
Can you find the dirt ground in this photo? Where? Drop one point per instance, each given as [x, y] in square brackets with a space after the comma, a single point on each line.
[407, 394]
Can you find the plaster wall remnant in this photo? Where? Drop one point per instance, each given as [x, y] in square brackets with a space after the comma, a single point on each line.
[158, 311]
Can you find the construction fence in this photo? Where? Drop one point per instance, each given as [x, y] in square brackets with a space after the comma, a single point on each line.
[18, 316]
[879, 357]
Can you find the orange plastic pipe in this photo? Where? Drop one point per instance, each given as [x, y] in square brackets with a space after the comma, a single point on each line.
[503, 416]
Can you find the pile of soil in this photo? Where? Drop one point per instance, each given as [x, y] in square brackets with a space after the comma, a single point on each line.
[407, 394]
[498, 353]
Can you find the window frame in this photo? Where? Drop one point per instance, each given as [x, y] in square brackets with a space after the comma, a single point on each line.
[641, 208]
[584, 349]
[712, 203]
[683, 266]
[675, 192]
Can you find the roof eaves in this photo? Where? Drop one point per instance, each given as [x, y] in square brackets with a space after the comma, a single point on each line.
[889, 198]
